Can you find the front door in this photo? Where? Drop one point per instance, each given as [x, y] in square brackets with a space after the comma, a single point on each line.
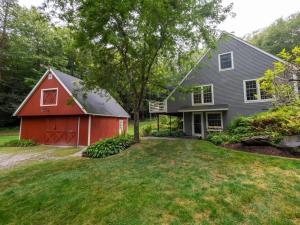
[197, 124]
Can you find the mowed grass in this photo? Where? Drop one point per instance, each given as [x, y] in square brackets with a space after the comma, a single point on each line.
[155, 182]
[142, 125]
[8, 134]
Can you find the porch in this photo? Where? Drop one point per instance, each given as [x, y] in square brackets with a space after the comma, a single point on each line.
[197, 121]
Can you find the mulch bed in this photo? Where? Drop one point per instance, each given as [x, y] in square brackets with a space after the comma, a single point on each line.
[266, 150]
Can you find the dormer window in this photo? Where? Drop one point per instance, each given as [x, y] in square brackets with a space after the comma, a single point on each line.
[49, 97]
[226, 61]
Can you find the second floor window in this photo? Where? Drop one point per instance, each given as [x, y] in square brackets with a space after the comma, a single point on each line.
[203, 95]
[253, 92]
[49, 97]
[226, 61]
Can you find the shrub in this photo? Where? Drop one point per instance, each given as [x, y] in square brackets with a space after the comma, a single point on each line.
[274, 123]
[20, 143]
[109, 146]
[219, 138]
[147, 130]
[166, 133]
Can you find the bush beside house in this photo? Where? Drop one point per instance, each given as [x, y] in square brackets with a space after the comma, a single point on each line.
[271, 125]
[109, 146]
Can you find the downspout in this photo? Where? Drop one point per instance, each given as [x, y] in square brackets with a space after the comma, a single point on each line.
[89, 130]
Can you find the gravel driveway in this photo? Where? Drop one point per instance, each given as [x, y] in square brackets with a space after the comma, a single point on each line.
[9, 160]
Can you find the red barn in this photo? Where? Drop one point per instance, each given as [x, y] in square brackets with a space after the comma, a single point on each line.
[58, 112]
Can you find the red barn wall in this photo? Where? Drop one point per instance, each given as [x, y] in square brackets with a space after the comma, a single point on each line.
[83, 130]
[105, 127]
[32, 106]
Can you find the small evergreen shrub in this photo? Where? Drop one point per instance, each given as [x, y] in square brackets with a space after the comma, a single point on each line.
[20, 143]
[147, 130]
[109, 146]
[167, 133]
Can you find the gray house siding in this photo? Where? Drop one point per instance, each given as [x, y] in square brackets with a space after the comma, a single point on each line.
[249, 63]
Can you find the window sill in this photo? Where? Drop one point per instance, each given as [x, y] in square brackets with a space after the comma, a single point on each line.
[221, 70]
[258, 101]
[219, 129]
[198, 104]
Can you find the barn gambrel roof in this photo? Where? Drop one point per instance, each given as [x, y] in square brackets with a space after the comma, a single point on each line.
[97, 102]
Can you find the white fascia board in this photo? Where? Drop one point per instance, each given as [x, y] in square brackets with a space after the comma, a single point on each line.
[31, 92]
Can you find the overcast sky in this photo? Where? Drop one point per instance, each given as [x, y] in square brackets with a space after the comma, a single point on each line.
[251, 15]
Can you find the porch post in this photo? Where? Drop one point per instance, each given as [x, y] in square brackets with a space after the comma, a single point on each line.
[170, 125]
[158, 122]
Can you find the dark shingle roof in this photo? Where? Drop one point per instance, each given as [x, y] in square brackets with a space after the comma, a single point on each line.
[98, 102]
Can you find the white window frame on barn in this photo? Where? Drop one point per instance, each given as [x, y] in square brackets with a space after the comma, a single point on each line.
[214, 128]
[42, 97]
[201, 95]
[220, 64]
[258, 93]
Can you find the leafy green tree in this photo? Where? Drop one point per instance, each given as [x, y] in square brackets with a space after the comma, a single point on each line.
[282, 34]
[282, 82]
[29, 43]
[130, 39]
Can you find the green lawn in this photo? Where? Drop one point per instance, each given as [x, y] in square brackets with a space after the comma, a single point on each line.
[8, 134]
[155, 182]
[142, 125]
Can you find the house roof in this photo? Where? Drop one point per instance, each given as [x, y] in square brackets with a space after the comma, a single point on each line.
[205, 108]
[96, 102]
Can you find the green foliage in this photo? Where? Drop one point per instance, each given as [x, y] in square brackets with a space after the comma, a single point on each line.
[166, 133]
[219, 138]
[20, 143]
[282, 34]
[109, 146]
[284, 120]
[131, 40]
[147, 130]
[279, 82]
[274, 123]
[31, 44]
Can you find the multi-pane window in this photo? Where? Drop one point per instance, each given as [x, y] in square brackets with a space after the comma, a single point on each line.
[214, 121]
[49, 97]
[197, 96]
[203, 95]
[253, 91]
[226, 61]
[207, 94]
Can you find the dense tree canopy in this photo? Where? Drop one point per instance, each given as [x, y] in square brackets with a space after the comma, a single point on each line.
[282, 34]
[131, 40]
[28, 44]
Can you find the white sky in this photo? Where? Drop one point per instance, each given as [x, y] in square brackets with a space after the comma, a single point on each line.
[251, 15]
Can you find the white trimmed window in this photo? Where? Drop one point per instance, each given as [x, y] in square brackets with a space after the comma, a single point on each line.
[214, 121]
[226, 61]
[49, 97]
[253, 93]
[203, 95]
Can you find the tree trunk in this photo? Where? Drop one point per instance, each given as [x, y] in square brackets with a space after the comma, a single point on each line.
[136, 126]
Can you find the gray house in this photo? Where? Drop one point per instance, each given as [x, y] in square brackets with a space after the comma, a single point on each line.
[225, 86]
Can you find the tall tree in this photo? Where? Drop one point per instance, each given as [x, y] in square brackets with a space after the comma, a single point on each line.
[129, 38]
[283, 33]
[29, 42]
